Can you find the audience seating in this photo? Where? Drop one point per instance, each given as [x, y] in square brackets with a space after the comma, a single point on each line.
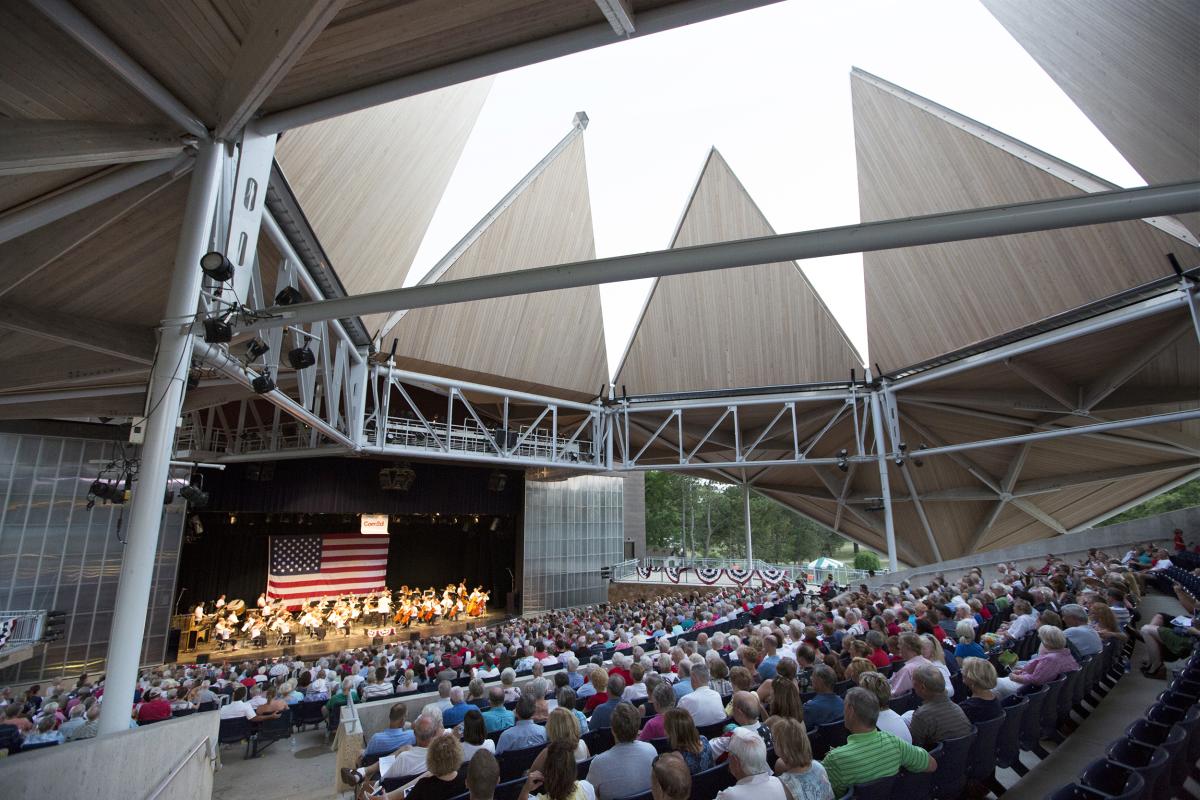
[705, 785]
[905, 701]
[711, 731]
[913, 785]
[1148, 761]
[392, 784]
[271, 731]
[211, 705]
[828, 736]
[10, 739]
[308, 712]
[981, 763]
[1008, 741]
[235, 731]
[950, 779]
[1112, 779]
[37, 746]
[1074, 791]
[878, 789]
[515, 763]
[598, 741]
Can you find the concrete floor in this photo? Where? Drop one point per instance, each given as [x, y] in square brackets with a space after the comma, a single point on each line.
[1128, 700]
[279, 773]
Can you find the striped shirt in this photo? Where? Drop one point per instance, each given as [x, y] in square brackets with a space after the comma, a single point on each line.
[867, 756]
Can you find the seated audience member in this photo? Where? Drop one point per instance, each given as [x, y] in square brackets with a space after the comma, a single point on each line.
[770, 660]
[237, 707]
[662, 700]
[562, 727]
[1024, 621]
[377, 686]
[636, 690]
[748, 765]
[1165, 642]
[603, 712]
[557, 778]
[44, 732]
[979, 676]
[683, 686]
[719, 670]
[474, 735]
[394, 736]
[911, 658]
[483, 774]
[931, 648]
[525, 733]
[153, 708]
[967, 646]
[879, 655]
[888, 721]
[1082, 637]
[1053, 659]
[599, 683]
[702, 702]
[458, 708]
[1105, 624]
[683, 738]
[410, 759]
[804, 778]
[869, 753]
[670, 778]
[623, 769]
[497, 718]
[825, 706]
[565, 697]
[746, 714]
[785, 701]
[937, 718]
[74, 722]
[442, 779]
[90, 727]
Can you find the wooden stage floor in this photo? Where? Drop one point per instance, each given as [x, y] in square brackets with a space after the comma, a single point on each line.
[308, 649]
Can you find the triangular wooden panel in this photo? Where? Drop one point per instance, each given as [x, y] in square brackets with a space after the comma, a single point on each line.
[1133, 68]
[551, 342]
[915, 157]
[369, 182]
[735, 328]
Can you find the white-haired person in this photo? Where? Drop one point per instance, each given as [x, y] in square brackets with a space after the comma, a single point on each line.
[1053, 659]
[979, 676]
[748, 765]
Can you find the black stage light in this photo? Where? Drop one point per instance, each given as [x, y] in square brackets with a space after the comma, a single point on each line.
[916, 457]
[841, 462]
[256, 349]
[903, 448]
[302, 357]
[102, 489]
[497, 481]
[216, 266]
[263, 383]
[217, 330]
[288, 295]
[196, 497]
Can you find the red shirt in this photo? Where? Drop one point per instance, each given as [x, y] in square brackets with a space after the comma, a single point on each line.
[598, 699]
[154, 710]
[880, 658]
[624, 673]
[247, 682]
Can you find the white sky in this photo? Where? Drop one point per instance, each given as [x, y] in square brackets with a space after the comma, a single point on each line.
[770, 88]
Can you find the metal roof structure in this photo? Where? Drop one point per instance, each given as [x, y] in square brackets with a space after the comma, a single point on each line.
[1034, 331]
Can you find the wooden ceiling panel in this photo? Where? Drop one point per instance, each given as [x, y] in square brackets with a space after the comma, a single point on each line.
[1133, 68]
[18, 189]
[917, 158]
[755, 326]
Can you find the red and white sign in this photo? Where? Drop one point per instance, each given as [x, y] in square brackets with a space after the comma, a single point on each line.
[376, 524]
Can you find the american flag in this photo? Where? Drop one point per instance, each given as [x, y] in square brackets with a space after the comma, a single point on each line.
[303, 567]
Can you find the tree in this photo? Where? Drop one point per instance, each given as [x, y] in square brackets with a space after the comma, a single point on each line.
[1183, 496]
[865, 559]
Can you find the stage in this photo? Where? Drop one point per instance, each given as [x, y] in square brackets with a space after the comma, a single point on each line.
[308, 649]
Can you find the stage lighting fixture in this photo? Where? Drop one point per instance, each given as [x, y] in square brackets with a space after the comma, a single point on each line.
[233, 519]
[256, 349]
[216, 266]
[302, 357]
[102, 489]
[263, 383]
[902, 448]
[197, 525]
[495, 524]
[878, 506]
[841, 462]
[217, 330]
[195, 496]
[288, 296]
[497, 481]
[915, 459]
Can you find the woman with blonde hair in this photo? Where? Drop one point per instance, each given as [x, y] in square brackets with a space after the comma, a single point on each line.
[562, 726]
[557, 777]
[804, 778]
[889, 721]
[932, 649]
[599, 681]
[979, 676]
[857, 667]
[683, 738]
[442, 778]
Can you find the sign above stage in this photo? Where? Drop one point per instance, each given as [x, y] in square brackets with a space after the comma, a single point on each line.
[375, 524]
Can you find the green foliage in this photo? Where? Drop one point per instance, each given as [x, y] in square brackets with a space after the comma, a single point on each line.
[865, 559]
[706, 519]
[1184, 496]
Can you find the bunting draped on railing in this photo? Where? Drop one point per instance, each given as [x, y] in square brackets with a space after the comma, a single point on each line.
[711, 575]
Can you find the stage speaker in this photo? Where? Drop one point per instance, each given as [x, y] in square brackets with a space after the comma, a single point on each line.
[189, 640]
[173, 644]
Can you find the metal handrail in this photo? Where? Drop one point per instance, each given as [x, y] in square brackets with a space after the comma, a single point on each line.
[205, 743]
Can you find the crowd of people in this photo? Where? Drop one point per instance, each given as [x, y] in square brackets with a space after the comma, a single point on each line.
[739, 676]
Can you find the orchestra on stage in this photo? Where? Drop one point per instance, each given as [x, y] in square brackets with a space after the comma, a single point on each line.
[228, 622]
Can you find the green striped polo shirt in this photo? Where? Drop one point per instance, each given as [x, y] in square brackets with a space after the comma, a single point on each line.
[867, 756]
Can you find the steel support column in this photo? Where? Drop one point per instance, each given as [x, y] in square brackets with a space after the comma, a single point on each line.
[749, 530]
[168, 380]
[884, 487]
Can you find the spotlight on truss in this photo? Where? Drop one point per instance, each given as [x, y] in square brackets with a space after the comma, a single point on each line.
[216, 266]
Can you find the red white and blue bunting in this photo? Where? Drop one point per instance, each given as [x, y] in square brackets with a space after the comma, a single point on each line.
[711, 575]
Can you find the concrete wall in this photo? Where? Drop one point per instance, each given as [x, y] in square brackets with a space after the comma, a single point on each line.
[635, 513]
[129, 764]
[1071, 546]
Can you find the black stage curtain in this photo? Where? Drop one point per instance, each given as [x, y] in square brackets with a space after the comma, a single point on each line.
[230, 558]
[351, 486]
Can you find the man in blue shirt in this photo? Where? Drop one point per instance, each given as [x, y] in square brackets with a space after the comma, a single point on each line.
[457, 710]
[767, 667]
[497, 718]
[602, 714]
[826, 706]
[393, 737]
[683, 686]
[525, 733]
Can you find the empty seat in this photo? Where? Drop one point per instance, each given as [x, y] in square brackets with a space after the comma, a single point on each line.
[235, 730]
[709, 731]
[1113, 779]
[1031, 724]
[308, 712]
[705, 785]
[515, 763]
[1172, 738]
[1189, 720]
[905, 701]
[270, 732]
[913, 785]
[981, 763]
[1049, 718]
[1146, 760]
[598, 740]
[1008, 741]
[662, 745]
[1074, 791]
[950, 780]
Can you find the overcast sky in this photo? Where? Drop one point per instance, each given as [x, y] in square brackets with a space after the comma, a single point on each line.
[770, 88]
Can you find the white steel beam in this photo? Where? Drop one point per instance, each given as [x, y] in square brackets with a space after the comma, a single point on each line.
[101, 336]
[278, 36]
[30, 217]
[649, 22]
[1006, 494]
[619, 14]
[1053, 484]
[952, 226]
[42, 145]
[256, 153]
[1051, 385]
[80, 28]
